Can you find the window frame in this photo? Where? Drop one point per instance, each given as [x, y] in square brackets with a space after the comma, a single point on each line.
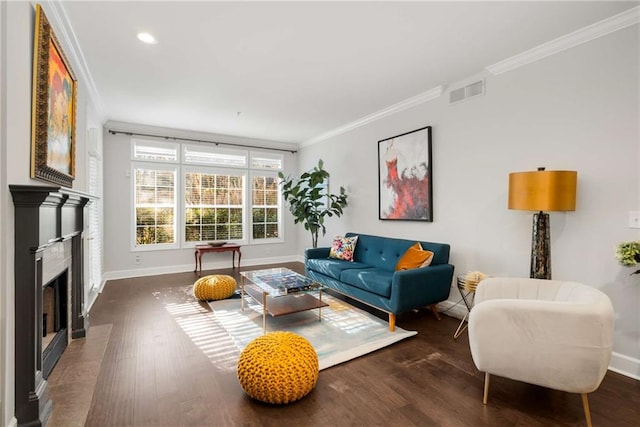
[181, 166]
[157, 166]
[211, 171]
[266, 240]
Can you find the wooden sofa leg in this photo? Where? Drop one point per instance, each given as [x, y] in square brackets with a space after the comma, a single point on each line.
[485, 398]
[434, 310]
[392, 322]
[585, 406]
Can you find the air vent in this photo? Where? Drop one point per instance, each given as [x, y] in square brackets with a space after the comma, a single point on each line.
[466, 92]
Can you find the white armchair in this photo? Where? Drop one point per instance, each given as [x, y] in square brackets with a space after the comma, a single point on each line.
[551, 333]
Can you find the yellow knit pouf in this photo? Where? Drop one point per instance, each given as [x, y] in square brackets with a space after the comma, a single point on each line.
[279, 367]
[215, 287]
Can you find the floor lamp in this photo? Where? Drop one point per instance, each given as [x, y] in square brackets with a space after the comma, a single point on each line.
[542, 191]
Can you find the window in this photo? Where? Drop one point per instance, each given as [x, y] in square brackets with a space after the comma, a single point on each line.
[155, 205]
[186, 193]
[265, 207]
[213, 206]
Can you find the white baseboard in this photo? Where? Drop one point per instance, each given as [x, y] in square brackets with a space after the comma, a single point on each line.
[93, 296]
[455, 309]
[13, 422]
[625, 365]
[154, 271]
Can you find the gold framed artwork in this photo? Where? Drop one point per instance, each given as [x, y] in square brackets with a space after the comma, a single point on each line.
[53, 115]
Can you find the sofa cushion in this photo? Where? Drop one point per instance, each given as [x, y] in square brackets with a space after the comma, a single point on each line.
[343, 247]
[333, 267]
[374, 280]
[414, 257]
[384, 252]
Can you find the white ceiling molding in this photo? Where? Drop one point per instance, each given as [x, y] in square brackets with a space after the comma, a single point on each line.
[395, 108]
[64, 31]
[602, 28]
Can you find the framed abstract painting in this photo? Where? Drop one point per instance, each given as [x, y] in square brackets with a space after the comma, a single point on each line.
[405, 190]
[53, 116]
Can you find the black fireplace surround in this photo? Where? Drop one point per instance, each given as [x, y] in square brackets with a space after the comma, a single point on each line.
[48, 245]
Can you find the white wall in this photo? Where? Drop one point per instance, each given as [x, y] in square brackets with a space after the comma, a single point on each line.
[18, 20]
[4, 202]
[118, 226]
[576, 110]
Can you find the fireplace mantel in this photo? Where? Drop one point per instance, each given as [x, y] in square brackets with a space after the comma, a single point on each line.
[45, 216]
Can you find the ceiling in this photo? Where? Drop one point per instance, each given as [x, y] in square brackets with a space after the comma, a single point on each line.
[291, 71]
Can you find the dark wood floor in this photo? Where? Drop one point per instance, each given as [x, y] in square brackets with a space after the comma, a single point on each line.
[138, 367]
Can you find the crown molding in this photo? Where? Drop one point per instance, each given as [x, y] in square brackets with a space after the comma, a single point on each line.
[64, 31]
[395, 108]
[602, 28]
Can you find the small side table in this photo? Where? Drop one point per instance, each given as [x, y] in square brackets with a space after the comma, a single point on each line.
[228, 247]
[468, 294]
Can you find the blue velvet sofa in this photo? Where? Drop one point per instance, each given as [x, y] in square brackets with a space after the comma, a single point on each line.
[371, 279]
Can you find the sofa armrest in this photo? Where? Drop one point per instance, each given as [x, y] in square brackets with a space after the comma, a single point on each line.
[420, 287]
[313, 253]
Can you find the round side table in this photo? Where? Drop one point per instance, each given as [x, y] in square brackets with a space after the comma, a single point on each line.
[468, 293]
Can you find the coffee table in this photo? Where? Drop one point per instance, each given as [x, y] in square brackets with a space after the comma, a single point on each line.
[281, 291]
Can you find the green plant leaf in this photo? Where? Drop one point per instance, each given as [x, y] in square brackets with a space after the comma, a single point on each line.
[305, 197]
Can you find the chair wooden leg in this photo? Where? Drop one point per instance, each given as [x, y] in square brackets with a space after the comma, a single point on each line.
[392, 322]
[585, 406]
[434, 310]
[485, 398]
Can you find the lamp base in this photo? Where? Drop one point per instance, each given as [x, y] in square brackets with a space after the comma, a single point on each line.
[541, 247]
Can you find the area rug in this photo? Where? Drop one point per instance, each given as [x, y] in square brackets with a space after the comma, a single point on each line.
[344, 333]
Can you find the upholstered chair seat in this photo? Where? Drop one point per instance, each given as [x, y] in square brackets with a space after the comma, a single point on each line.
[551, 333]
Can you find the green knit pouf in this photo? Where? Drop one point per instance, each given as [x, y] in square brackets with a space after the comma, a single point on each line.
[279, 367]
[214, 287]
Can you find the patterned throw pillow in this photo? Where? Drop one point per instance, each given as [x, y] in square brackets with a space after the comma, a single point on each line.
[343, 248]
[414, 257]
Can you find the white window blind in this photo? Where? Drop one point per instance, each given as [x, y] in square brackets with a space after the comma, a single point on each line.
[157, 151]
[270, 161]
[214, 156]
[95, 222]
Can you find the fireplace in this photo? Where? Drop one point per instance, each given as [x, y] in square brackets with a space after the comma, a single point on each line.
[49, 290]
[54, 322]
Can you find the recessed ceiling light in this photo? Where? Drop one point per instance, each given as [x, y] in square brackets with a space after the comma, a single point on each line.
[147, 38]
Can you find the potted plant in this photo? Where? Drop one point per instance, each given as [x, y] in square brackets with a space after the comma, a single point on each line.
[310, 201]
[628, 254]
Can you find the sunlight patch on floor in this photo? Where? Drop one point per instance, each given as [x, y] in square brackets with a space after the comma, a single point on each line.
[205, 332]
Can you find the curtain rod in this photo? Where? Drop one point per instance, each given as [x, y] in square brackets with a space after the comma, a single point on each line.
[177, 138]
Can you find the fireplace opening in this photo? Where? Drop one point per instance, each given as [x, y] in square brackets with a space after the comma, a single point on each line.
[54, 322]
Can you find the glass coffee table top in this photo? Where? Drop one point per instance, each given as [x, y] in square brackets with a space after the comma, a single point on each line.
[280, 281]
[281, 291]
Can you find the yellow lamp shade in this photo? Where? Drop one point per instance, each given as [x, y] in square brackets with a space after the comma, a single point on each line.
[543, 190]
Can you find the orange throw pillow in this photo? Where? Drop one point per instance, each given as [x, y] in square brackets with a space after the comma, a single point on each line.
[414, 257]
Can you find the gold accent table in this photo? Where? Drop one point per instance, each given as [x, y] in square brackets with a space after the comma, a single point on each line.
[468, 293]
